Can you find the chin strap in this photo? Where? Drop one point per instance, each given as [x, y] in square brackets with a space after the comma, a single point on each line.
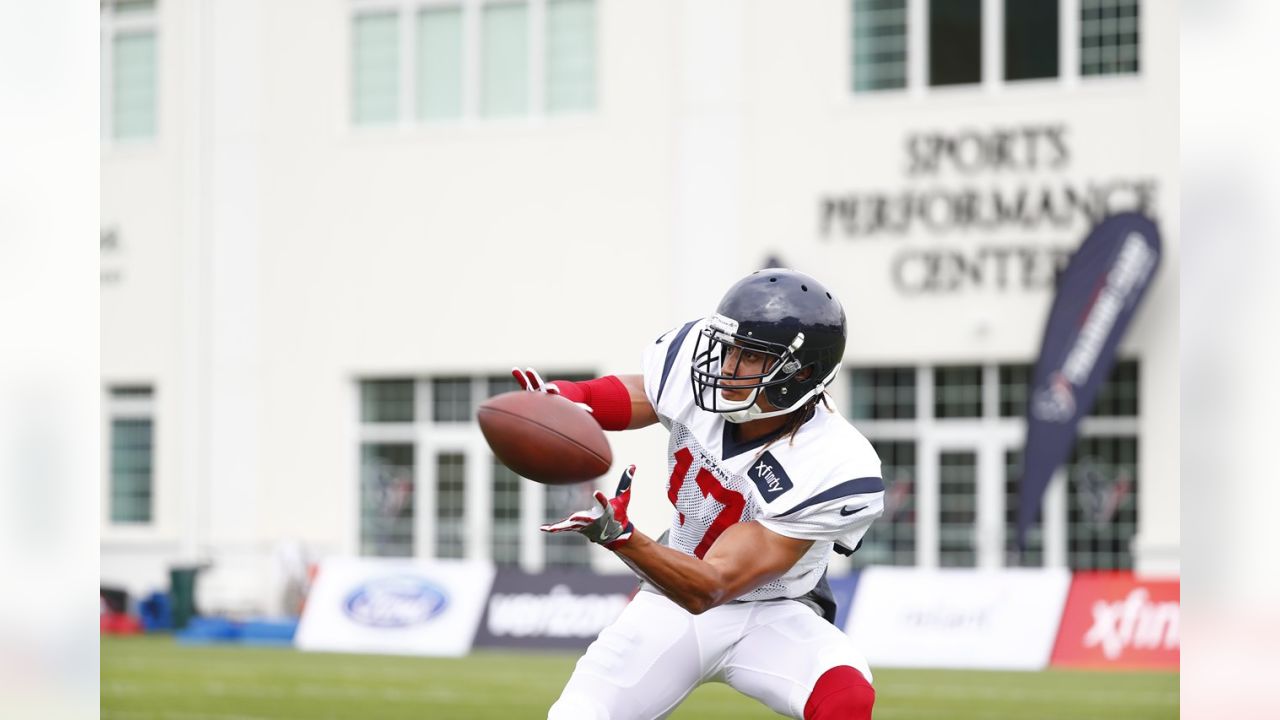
[753, 411]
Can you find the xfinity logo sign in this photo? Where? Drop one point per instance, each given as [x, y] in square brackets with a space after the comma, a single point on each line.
[395, 602]
[770, 479]
[1133, 622]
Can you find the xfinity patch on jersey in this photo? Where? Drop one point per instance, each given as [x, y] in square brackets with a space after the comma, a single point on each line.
[770, 479]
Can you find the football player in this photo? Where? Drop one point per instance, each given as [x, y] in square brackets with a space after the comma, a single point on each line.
[766, 479]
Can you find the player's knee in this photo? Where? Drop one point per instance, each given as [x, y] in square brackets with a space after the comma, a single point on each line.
[840, 694]
[577, 707]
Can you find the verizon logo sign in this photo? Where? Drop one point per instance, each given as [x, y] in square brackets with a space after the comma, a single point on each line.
[1115, 620]
[1134, 622]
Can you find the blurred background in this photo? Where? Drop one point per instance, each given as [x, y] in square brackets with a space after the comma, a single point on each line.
[328, 230]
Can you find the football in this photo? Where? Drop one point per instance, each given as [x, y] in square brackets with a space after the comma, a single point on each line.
[545, 438]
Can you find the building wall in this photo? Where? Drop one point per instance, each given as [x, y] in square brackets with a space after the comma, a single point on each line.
[272, 254]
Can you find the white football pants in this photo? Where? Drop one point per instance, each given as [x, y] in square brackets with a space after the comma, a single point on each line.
[645, 663]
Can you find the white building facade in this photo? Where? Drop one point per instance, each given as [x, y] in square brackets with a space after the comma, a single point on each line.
[329, 229]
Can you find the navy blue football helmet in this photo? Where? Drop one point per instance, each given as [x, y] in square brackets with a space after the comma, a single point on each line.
[791, 319]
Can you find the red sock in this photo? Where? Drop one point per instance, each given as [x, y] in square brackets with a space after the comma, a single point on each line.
[840, 694]
[608, 398]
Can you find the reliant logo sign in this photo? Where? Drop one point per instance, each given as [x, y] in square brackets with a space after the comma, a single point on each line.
[1114, 620]
[395, 602]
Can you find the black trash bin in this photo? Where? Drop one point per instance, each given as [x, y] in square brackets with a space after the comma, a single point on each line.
[182, 594]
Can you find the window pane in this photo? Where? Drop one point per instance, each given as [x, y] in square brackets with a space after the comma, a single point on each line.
[1118, 396]
[506, 515]
[133, 89]
[1109, 37]
[571, 55]
[504, 63]
[567, 549]
[957, 392]
[879, 44]
[439, 63]
[1030, 39]
[957, 509]
[131, 391]
[499, 384]
[1102, 509]
[1034, 555]
[386, 401]
[955, 42]
[1013, 390]
[386, 499]
[892, 538]
[451, 489]
[451, 399]
[129, 7]
[375, 68]
[131, 477]
[883, 393]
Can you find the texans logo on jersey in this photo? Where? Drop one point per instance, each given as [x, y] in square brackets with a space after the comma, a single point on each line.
[770, 479]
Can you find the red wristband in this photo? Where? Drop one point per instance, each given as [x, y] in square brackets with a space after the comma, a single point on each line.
[608, 398]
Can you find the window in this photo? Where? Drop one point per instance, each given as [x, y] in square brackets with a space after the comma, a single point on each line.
[386, 401]
[439, 63]
[1033, 556]
[957, 392]
[571, 55]
[1109, 37]
[451, 493]
[387, 488]
[431, 61]
[132, 451]
[375, 58]
[884, 393]
[1102, 511]
[419, 435]
[879, 45]
[567, 549]
[506, 515]
[128, 69]
[955, 42]
[1030, 39]
[451, 400]
[1118, 396]
[892, 538]
[957, 509]
[504, 67]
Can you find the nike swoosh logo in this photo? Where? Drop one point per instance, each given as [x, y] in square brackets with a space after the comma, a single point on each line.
[846, 511]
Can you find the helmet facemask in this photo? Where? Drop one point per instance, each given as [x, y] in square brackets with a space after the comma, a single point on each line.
[719, 340]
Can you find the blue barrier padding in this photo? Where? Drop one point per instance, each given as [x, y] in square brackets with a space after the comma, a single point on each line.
[206, 630]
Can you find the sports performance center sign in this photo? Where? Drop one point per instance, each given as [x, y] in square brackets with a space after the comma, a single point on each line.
[972, 185]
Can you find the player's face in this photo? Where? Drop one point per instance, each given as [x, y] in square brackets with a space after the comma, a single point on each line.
[742, 363]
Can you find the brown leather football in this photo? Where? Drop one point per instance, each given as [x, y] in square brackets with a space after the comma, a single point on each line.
[545, 438]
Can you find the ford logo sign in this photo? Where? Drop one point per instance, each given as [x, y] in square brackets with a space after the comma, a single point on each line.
[395, 602]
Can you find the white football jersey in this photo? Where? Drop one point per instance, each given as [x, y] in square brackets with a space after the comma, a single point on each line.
[823, 486]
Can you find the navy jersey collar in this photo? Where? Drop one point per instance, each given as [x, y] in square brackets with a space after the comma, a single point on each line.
[731, 447]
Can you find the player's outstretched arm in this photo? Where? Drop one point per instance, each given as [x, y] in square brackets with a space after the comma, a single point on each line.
[618, 402]
[744, 557]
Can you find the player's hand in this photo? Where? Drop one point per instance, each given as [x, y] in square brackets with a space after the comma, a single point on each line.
[607, 523]
[531, 381]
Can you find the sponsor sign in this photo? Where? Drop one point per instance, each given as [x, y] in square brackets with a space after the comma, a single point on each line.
[553, 609]
[1113, 620]
[1098, 294]
[399, 606]
[980, 619]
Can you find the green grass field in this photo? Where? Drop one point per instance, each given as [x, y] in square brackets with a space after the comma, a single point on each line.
[154, 677]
